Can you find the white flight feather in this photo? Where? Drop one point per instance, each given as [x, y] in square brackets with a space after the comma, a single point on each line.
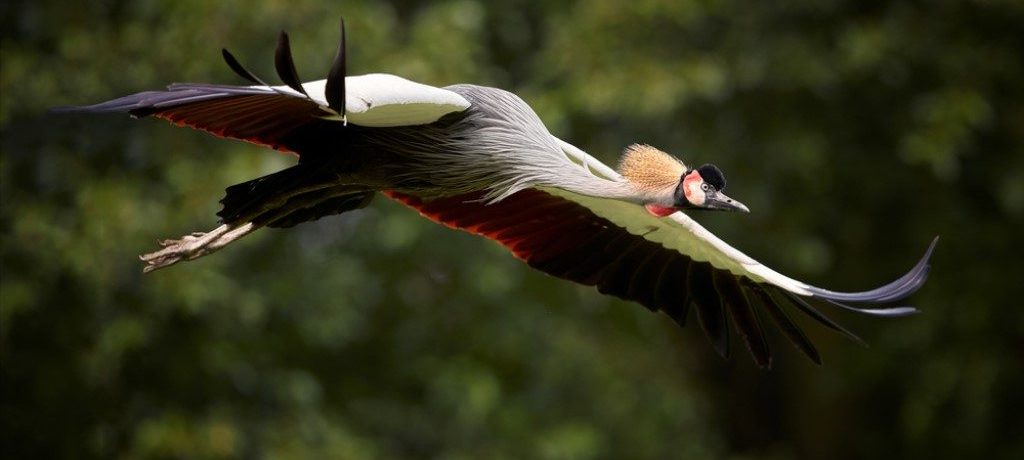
[696, 242]
[384, 100]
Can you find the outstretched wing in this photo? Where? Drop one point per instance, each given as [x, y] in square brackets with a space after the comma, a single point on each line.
[273, 115]
[254, 114]
[665, 264]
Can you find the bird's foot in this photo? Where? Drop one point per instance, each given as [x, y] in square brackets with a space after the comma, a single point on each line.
[187, 247]
[193, 246]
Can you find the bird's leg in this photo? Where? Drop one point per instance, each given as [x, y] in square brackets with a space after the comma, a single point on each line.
[199, 244]
[195, 245]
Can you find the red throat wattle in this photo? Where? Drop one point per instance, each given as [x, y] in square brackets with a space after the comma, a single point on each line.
[659, 211]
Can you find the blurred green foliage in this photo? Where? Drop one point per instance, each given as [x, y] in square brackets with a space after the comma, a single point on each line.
[855, 130]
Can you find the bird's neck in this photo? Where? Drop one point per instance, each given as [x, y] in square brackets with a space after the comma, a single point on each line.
[576, 179]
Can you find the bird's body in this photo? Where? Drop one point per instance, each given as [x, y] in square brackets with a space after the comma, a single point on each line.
[479, 159]
[497, 145]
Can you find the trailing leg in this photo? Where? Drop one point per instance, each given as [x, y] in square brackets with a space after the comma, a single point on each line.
[305, 204]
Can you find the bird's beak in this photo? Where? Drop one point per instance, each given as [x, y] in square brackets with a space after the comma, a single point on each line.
[720, 202]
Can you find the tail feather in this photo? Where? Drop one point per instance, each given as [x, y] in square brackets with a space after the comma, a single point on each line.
[328, 207]
[248, 200]
[240, 199]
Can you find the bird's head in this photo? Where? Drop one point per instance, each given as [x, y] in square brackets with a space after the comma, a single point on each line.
[666, 184]
[701, 188]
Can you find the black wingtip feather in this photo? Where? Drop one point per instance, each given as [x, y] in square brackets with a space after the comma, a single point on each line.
[239, 69]
[616, 277]
[710, 311]
[121, 104]
[891, 312]
[896, 290]
[792, 332]
[744, 318]
[335, 88]
[671, 295]
[285, 65]
[805, 307]
[643, 284]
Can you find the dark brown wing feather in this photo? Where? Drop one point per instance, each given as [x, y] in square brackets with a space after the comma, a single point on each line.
[743, 316]
[254, 115]
[260, 119]
[567, 240]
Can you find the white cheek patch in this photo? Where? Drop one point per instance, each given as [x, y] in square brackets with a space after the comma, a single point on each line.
[694, 193]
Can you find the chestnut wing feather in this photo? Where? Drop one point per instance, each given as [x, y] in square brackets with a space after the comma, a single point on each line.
[567, 240]
[251, 114]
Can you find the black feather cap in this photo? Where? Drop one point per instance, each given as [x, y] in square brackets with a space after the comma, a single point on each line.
[712, 175]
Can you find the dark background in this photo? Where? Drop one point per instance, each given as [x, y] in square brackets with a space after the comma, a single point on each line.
[854, 130]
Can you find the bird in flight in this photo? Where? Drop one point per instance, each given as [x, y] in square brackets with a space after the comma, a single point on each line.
[479, 159]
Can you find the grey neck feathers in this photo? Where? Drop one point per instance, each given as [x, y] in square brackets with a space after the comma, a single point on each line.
[498, 146]
[521, 153]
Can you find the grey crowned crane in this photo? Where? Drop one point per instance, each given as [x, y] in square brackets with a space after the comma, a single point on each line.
[479, 159]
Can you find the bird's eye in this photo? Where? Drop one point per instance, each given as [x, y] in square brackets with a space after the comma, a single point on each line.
[705, 187]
